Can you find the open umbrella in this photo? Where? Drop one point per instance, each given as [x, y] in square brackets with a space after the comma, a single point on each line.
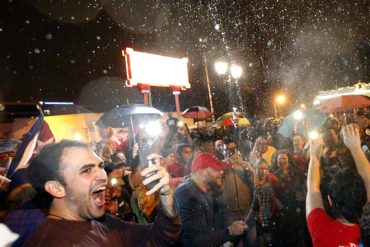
[130, 116]
[127, 115]
[344, 103]
[197, 112]
[314, 119]
[230, 118]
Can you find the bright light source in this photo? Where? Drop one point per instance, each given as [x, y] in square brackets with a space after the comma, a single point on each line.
[236, 71]
[77, 137]
[313, 135]
[141, 125]
[180, 124]
[153, 129]
[155, 70]
[280, 99]
[298, 115]
[316, 102]
[57, 103]
[217, 27]
[250, 65]
[303, 106]
[221, 68]
[113, 181]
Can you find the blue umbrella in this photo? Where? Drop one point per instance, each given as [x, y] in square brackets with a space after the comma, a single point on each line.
[314, 118]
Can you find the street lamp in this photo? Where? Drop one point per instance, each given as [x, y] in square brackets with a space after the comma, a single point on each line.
[279, 100]
[222, 68]
[236, 71]
[231, 71]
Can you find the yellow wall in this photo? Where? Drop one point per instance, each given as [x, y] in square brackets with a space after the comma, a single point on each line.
[73, 126]
[68, 126]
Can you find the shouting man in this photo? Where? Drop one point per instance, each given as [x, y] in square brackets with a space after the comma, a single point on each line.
[75, 178]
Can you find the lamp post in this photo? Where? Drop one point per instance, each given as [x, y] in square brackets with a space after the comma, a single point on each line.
[233, 71]
[279, 100]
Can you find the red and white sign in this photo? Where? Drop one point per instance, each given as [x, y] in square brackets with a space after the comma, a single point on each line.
[155, 70]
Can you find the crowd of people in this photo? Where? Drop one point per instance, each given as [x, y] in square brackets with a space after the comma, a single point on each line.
[231, 186]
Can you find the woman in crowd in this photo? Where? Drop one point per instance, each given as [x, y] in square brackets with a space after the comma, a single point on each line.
[261, 149]
[264, 201]
[300, 154]
[291, 193]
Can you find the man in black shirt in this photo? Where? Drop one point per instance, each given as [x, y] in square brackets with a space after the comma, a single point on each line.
[75, 178]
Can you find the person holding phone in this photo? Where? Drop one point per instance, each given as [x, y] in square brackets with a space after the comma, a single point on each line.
[74, 177]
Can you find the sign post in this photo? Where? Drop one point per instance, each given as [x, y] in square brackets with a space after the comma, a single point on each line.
[145, 70]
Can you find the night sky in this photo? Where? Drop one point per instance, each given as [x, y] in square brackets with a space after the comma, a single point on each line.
[70, 50]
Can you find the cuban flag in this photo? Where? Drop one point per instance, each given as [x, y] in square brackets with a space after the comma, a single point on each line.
[39, 135]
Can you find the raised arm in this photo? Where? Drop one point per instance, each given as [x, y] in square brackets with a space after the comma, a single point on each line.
[351, 138]
[314, 197]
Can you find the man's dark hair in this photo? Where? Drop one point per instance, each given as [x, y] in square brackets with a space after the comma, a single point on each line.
[181, 146]
[365, 225]
[46, 165]
[348, 194]
[168, 151]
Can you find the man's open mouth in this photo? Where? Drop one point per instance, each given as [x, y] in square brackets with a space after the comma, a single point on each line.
[99, 195]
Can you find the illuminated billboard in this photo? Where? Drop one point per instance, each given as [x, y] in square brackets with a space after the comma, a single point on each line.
[155, 70]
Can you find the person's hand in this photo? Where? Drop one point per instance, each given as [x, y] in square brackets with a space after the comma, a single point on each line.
[159, 173]
[351, 137]
[316, 148]
[126, 171]
[161, 177]
[237, 228]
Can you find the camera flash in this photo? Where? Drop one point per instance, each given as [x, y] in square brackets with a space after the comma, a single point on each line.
[313, 135]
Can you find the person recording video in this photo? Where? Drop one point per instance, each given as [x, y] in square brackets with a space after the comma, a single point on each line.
[77, 183]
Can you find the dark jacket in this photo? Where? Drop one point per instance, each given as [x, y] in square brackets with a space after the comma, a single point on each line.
[196, 213]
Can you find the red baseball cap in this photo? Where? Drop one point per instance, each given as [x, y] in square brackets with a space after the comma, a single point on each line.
[204, 160]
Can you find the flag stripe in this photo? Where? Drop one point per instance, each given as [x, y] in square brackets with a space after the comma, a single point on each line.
[27, 147]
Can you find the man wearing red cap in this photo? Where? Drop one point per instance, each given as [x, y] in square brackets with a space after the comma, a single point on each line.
[195, 201]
